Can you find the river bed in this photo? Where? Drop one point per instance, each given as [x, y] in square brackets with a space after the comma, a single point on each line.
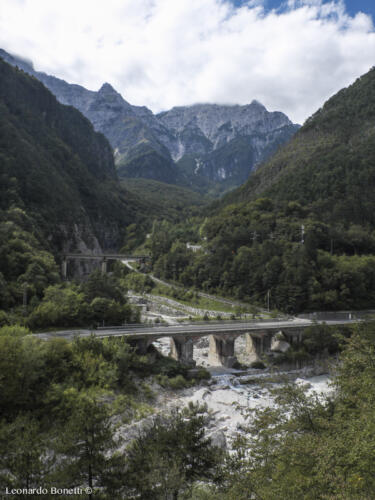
[227, 396]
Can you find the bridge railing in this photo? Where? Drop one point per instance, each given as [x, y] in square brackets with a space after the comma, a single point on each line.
[104, 256]
[208, 322]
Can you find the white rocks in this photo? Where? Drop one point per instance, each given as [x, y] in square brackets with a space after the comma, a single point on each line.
[279, 345]
[303, 383]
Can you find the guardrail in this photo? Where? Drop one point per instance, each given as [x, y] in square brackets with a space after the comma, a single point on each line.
[192, 323]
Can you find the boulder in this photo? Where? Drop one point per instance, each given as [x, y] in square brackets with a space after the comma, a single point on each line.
[219, 440]
[279, 345]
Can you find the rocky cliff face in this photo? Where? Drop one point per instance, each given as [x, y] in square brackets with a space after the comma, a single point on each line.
[219, 124]
[225, 143]
[199, 146]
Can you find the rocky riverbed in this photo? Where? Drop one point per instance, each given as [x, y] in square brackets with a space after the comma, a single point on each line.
[229, 393]
[226, 397]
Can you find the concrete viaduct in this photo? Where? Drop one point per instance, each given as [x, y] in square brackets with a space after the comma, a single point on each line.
[222, 337]
[103, 258]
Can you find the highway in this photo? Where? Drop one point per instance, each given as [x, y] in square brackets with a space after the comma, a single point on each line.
[191, 329]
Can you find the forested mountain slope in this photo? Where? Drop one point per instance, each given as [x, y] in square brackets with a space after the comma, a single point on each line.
[301, 230]
[57, 168]
[58, 187]
[329, 165]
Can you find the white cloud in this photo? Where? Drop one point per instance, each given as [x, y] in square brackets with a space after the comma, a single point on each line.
[163, 53]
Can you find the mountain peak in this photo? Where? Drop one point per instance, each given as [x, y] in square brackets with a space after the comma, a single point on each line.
[107, 88]
[256, 104]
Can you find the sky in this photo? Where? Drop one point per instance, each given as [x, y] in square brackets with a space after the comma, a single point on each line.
[290, 55]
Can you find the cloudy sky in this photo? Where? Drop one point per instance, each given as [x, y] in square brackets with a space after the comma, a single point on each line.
[290, 55]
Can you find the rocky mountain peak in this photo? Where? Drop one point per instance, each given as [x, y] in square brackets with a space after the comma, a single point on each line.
[257, 105]
[107, 88]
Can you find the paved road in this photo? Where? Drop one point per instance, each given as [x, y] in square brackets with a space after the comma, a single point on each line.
[178, 287]
[141, 331]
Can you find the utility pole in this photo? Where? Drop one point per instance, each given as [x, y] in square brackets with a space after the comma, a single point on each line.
[24, 298]
[268, 300]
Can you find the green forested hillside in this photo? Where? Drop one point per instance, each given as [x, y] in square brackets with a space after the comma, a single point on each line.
[58, 189]
[54, 166]
[165, 200]
[329, 164]
[302, 229]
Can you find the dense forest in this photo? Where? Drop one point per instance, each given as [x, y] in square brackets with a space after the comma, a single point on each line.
[302, 229]
[58, 191]
[61, 405]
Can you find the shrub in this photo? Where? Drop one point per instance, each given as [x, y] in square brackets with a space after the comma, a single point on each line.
[3, 318]
[203, 374]
[178, 382]
[14, 331]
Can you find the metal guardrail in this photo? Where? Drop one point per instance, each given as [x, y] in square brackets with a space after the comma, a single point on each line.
[192, 323]
[122, 327]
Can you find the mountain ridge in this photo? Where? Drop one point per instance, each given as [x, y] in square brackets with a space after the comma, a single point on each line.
[150, 146]
[341, 133]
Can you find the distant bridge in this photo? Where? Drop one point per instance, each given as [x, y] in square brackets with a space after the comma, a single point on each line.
[259, 335]
[104, 258]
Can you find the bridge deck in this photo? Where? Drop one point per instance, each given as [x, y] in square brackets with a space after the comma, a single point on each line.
[191, 330]
[105, 256]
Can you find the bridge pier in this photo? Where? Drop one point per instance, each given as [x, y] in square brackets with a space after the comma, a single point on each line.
[253, 345]
[294, 338]
[104, 266]
[258, 343]
[182, 350]
[221, 350]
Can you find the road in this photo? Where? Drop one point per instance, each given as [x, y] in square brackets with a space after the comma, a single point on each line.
[233, 303]
[202, 329]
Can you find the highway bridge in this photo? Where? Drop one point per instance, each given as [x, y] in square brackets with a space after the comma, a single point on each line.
[222, 336]
[103, 258]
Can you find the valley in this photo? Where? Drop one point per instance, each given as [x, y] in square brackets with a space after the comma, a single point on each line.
[160, 277]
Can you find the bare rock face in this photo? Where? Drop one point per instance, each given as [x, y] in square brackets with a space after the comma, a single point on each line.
[220, 124]
[204, 146]
[225, 143]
